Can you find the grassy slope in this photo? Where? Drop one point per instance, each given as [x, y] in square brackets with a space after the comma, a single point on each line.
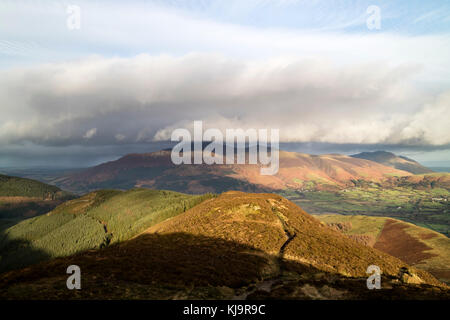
[90, 222]
[363, 225]
[439, 245]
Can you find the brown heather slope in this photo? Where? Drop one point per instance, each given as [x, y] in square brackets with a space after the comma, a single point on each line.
[417, 246]
[421, 247]
[395, 241]
[297, 171]
[267, 221]
[236, 246]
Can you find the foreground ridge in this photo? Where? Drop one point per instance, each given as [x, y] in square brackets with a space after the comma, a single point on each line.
[235, 246]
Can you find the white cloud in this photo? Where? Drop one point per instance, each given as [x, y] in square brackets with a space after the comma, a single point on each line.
[431, 123]
[120, 137]
[90, 133]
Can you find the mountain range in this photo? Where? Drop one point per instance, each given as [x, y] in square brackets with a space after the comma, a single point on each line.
[297, 171]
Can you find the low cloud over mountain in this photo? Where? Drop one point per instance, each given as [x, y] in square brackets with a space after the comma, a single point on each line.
[104, 101]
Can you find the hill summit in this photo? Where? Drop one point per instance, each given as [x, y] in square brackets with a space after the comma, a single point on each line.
[22, 187]
[391, 160]
[23, 198]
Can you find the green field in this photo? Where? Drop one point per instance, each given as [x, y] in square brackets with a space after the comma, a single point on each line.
[427, 208]
[91, 222]
[364, 225]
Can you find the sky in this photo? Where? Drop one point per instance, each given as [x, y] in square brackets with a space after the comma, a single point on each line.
[333, 76]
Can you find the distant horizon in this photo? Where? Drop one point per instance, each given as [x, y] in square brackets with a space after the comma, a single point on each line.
[74, 160]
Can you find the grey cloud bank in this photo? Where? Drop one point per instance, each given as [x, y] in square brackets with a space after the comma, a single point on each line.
[107, 101]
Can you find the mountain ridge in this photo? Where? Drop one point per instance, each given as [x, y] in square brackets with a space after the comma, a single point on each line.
[297, 171]
[392, 160]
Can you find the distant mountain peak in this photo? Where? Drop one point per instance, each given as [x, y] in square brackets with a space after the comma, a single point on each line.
[390, 159]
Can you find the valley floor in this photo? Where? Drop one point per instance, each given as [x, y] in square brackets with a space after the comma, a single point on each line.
[426, 208]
